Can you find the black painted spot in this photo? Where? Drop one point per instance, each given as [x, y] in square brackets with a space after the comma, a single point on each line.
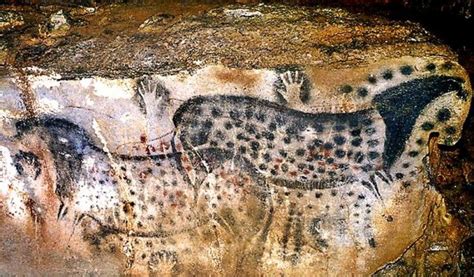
[340, 153]
[208, 124]
[317, 142]
[254, 145]
[356, 132]
[228, 125]
[263, 167]
[359, 157]
[450, 130]
[300, 152]
[235, 115]
[267, 157]
[462, 94]
[291, 131]
[219, 134]
[362, 92]
[443, 115]
[420, 141]
[328, 146]
[216, 112]
[346, 89]
[406, 70]
[230, 144]
[427, 126]
[260, 117]
[280, 120]
[241, 136]
[370, 131]
[372, 243]
[448, 65]
[399, 175]
[387, 74]
[343, 167]
[319, 128]
[356, 142]
[318, 194]
[373, 155]
[269, 136]
[272, 126]
[413, 153]
[339, 140]
[249, 114]
[339, 128]
[431, 67]
[372, 143]
[372, 79]
[250, 128]
[254, 155]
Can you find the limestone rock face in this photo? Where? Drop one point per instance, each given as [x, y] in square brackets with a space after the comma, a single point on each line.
[257, 140]
[10, 20]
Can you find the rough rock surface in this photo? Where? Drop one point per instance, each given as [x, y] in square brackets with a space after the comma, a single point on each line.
[254, 140]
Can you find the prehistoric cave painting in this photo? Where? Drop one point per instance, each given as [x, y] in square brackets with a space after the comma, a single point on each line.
[153, 100]
[254, 169]
[311, 151]
[27, 164]
[151, 97]
[318, 153]
[292, 86]
[291, 148]
[90, 179]
[150, 197]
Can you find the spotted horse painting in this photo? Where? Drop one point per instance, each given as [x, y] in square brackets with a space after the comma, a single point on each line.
[285, 170]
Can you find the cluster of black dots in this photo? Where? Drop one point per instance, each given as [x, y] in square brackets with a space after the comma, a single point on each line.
[443, 115]
[386, 75]
[277, 142]
[158, 196]
[101, 173]
[360, 216]
[159, 184]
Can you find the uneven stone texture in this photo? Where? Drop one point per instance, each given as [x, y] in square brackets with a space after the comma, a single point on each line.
[10, 20]
[227, 141]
